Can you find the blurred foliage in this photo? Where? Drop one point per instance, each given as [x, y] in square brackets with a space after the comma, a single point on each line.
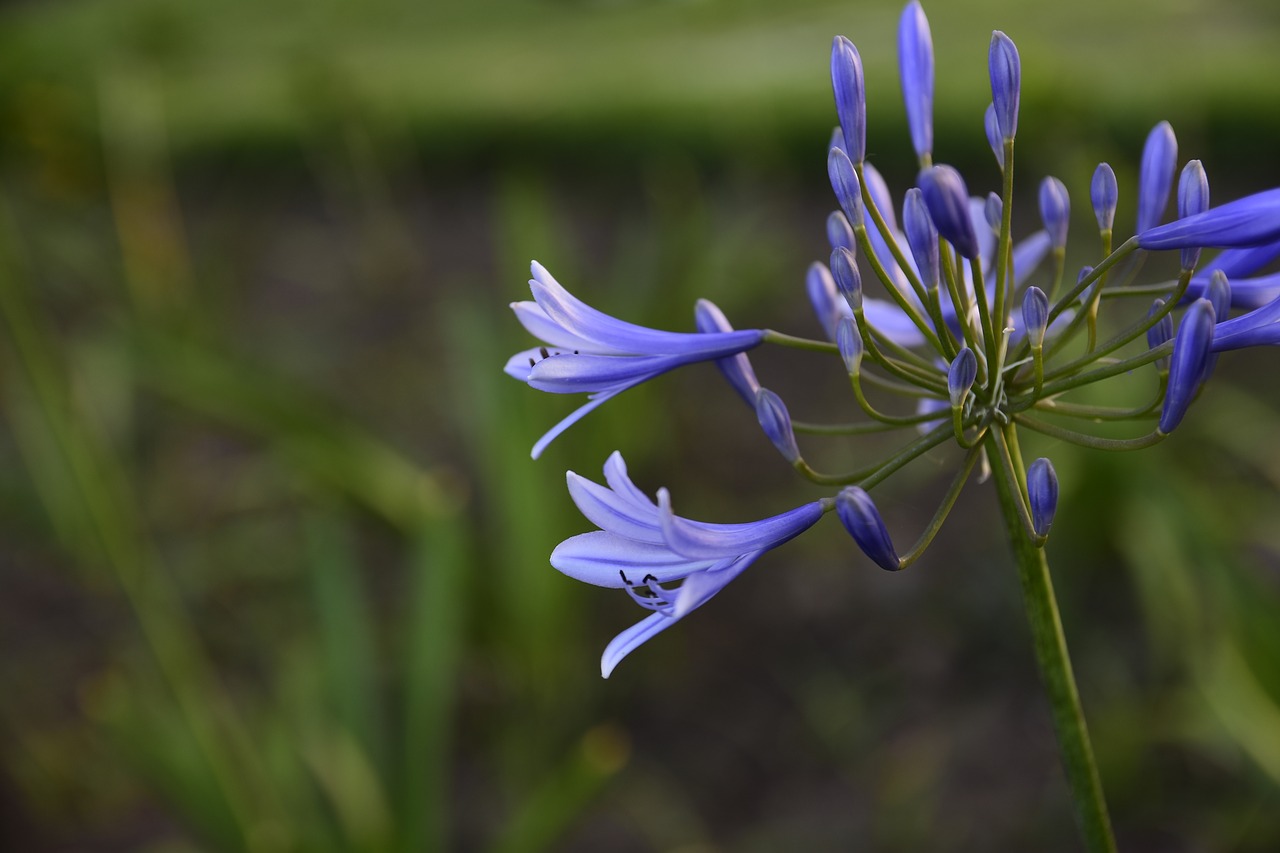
[275, 561]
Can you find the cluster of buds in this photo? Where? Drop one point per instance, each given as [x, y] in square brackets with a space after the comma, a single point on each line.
[963, 333]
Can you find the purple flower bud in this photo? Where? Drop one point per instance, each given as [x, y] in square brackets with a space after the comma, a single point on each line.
[849, 342]
[1159, 333]
[964, 370]
[1035, 314]
[993, 210]
[821, 289]
[1105, 194]
[736, 368]
[840, 232]
[1042, 494]
[1006, 83]
[1249, 221]
[1193, 198]
[1186, 367]
[1055, 211]
[992, 126]
[1155, 176]
[860, 517]
[915, 67]
[1219, 294]
[851, 96]
[776, 423]
[922, 237]
[849, 281]
[947, 198]
[845, 182]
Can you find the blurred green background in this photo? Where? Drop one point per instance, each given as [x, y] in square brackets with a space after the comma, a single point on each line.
[275, 565]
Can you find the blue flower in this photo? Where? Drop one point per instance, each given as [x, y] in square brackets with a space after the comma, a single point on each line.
[915, 63]
[1155, 175]
[642, 547]
[588, 351]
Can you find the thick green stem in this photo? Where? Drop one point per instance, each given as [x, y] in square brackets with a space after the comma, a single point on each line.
[1055, 664]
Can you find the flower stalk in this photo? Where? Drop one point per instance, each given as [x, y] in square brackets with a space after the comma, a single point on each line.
[1051, 653]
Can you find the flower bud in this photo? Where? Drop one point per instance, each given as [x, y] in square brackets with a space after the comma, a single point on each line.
[821, 289]
[1219, 295]
[845, 183]
[851, 96]
[839, 232]
[993, 212]
[849, 342]
[1186, 367]
[1006, 83]
[992, 126]
[1159, 333]
[860, 517]
[736, 368]
[1105, 194]
[915, 67]
[1155, 175]
[922, 237]
[960, 377]
[1035, 315]
[1042, 495]
[1055, 211]
[947, 198]
[776, 423]
[1193, 198]
[848, 280]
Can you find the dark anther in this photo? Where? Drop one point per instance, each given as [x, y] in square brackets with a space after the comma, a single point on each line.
[575, 352]
[624, 577]
[544, 352]
[532, 362]
[648, 578]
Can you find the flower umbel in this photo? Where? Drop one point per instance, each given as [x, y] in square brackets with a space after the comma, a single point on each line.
[982, 350]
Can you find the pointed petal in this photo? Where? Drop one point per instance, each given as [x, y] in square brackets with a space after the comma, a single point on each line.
[602, 559]
[619, 514]
[701, 540]
[573, 418]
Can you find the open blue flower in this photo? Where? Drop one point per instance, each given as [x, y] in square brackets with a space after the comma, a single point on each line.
[588, 351]
[642, 546]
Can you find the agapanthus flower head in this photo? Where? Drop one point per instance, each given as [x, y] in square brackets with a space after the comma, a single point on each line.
[1104, 193]
[1155, 175]
[915, 64]
[860, 517]
[1006, 83]
[1055, 211]
[851, 97]
[1042, 495]
[947, 198]
[587, 351]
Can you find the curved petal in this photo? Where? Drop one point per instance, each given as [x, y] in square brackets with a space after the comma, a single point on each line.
[615, 513]
[575, 416]
[542, 327]
[602, 559]
[701, 540]
[696, 591]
